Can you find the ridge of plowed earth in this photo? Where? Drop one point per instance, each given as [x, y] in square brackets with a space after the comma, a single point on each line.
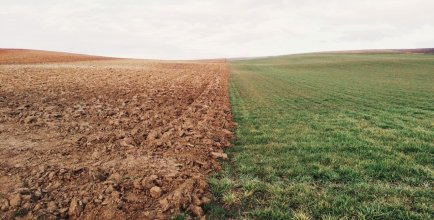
[111, 139]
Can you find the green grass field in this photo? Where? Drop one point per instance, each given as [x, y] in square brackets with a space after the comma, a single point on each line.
[330, 136]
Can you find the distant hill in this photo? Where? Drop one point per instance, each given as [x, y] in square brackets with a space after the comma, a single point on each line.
[417, 50]
[369, 51]
[23, 56]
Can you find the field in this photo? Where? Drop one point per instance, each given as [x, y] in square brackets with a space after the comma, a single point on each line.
[318, 136]
[330, 136]
[101, 138]
[22, 56]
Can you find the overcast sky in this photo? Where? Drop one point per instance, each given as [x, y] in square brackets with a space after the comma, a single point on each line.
[190, 29]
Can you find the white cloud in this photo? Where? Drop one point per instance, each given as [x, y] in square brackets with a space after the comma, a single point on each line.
[170, 29]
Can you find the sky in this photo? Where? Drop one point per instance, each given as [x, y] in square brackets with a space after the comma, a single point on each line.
[199, 29]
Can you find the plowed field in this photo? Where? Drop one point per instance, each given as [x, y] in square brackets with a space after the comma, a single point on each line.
[20, 56]
[110, 138]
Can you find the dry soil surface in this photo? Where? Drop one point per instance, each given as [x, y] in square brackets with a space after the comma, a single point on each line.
[21, 56]
[110, 139]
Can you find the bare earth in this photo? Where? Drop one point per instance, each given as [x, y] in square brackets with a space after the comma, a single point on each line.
[20, 56]
[109, 139]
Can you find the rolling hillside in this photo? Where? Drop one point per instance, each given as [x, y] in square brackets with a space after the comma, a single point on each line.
[23, 56]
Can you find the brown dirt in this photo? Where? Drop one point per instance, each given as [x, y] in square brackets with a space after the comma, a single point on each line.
[110, 139]
[21, 56]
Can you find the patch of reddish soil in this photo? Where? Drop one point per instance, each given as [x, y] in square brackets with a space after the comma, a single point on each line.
[21, 56]
[420, 50]
[110, 139]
